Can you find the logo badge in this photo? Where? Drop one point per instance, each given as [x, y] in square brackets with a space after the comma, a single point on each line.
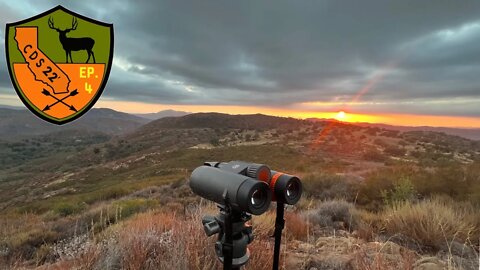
[59, 62]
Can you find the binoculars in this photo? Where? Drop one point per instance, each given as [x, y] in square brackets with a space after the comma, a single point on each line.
[250, 186]
[242, 189]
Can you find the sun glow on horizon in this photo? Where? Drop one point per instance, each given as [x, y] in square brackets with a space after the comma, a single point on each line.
[341, 115]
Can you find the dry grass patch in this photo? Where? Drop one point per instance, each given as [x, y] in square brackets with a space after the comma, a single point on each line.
[159, 240]
[295, 226]
[432, 223]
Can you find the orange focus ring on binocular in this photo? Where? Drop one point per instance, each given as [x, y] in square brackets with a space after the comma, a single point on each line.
[285, 188]
[264, 174]
[272, 184]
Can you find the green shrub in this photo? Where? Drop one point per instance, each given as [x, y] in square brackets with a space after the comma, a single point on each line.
[402, 191]
[65, 209]
[452, 180]
[370, 192]
[460, 182]
[330, 186]
[215, 141]
[132, 206]
[114, 192]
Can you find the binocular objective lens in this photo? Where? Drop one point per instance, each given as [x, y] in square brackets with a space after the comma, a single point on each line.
[258, 198]
[292, 189]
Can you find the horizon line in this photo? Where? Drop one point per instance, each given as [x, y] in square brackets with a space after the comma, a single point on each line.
[391, 119]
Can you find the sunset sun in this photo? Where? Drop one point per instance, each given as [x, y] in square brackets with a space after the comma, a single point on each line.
[341, 116]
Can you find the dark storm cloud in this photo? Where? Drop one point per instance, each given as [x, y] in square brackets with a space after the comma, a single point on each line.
[4, 79]
[279, 53]
[146, 92]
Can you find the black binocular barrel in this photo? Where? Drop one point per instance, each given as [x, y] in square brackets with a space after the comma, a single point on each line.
[253, 170]
[244, 193]
[286, 188]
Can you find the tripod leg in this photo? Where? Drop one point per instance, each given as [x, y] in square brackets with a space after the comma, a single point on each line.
[227, 256]
[279, 224]
[227, 247]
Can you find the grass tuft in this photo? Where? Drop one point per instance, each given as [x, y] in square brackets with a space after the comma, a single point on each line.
[431, 223]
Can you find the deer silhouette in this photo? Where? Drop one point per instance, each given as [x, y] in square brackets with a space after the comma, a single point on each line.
[73, 44]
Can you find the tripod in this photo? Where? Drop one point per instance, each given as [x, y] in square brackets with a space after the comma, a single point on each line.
[279, 225]
[233, 235]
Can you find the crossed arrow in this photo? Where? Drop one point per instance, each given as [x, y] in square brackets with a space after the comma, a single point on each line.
[71, 94]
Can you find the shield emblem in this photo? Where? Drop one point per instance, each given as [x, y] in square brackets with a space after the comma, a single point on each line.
[59, 62]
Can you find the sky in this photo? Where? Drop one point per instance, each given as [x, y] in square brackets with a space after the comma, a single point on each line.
[403, 62]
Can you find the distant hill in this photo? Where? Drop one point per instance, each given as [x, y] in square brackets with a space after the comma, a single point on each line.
[202, 128]
[472, 133]
[220, 120]
[162, 114]
[468, 133]
[16, 123]
[11, 107]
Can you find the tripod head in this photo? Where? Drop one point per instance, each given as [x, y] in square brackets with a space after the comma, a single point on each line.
[241, 234]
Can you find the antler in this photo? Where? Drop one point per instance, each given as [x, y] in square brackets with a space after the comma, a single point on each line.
[50, 23]
[74, 23]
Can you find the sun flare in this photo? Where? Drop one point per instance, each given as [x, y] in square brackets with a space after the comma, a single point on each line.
[341, 116]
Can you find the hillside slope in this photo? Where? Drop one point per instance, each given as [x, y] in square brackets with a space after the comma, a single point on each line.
[22, 123]
[75, 199]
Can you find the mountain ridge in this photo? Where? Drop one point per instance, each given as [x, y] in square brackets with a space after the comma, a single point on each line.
[162, 114]
[16, 123]
[468, 133]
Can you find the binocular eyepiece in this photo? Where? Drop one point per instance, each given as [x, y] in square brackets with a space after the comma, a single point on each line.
[250, 186]
[286, 188]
